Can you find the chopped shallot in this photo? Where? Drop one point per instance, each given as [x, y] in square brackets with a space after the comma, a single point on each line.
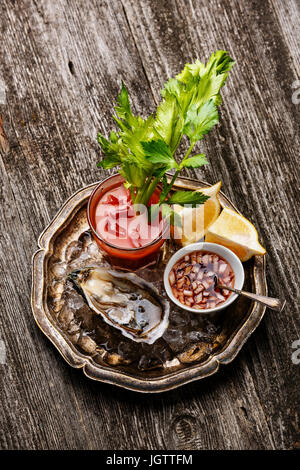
[193, 280]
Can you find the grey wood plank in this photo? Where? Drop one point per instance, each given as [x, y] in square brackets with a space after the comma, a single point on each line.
[51, 117]
[254, 151]
[62, 62]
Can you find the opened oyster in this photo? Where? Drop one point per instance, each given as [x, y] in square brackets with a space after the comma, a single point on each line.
[124, 301]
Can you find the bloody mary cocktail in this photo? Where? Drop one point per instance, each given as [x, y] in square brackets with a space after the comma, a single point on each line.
[144, 151]
[121, 230]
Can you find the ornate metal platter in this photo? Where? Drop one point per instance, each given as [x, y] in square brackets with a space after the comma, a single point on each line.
[192, 347]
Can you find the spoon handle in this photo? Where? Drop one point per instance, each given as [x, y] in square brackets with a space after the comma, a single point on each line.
[273, 304]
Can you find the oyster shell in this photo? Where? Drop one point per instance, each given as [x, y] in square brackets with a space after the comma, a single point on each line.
[124, 301]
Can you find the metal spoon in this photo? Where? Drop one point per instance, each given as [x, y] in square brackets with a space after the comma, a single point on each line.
[274, 304]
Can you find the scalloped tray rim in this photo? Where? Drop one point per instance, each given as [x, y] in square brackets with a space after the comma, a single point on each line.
[116, 377]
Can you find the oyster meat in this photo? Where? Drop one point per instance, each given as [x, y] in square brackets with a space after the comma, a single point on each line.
[124, 301]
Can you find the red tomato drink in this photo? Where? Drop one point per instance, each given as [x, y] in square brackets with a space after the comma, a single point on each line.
[129, 239]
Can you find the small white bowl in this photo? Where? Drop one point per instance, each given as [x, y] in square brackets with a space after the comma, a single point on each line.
[227, 254]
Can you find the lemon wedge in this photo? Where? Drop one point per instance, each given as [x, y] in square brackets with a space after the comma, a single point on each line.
[236, 233]
[196, 221]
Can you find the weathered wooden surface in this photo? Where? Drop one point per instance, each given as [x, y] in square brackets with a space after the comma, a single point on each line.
[61, 63]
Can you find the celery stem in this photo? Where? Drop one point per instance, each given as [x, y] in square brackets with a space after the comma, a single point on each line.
[150, 190]
[142, 190]
[163, 196]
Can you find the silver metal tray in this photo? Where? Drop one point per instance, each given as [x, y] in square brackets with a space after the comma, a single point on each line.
[66, 244]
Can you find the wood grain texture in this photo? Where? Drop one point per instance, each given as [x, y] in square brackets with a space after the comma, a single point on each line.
[62, 62]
